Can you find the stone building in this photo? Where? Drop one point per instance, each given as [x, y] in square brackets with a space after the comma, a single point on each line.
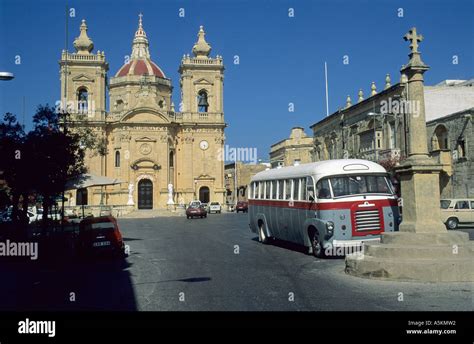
[451, 142]
[297, 149]
[147, 144]
[374, 127]
[245, 172]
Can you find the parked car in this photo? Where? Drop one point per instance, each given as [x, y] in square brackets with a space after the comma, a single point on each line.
[194, 203]
[215, 207]
[457, 211]
[242, 206]
[196, 211]
[100, 235]
[6, 216]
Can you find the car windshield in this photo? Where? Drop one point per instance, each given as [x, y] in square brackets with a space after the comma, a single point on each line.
[445, 203]
[360, 184]
[214, 203]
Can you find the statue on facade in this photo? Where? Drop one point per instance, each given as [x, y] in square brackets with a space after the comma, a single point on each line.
[130, 194]
[170, 194]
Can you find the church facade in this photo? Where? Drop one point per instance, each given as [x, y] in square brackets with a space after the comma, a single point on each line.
[151, 149]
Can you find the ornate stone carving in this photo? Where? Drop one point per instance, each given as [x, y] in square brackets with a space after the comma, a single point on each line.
[145, 148]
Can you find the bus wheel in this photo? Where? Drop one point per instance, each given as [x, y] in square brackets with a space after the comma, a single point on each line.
[317, 247]
[452, 223]
[262, 237]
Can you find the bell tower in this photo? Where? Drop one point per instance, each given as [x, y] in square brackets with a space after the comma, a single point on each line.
[83, 79]
[202, 79]
[201, 135]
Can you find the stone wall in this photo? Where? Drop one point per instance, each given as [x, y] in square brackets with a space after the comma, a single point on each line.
[457, 131]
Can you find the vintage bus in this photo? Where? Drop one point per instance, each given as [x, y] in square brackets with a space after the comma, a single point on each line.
[323, 205]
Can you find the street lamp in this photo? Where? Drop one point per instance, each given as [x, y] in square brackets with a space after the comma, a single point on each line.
[6, 76]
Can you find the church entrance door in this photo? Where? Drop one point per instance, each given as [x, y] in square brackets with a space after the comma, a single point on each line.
[145, 194]
[204, 194]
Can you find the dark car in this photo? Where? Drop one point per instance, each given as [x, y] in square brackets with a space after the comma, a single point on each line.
[196, 211]
[242, 206]
[100, 235]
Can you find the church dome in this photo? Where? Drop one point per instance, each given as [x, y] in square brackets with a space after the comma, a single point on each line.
[140, 62]
[140, 67]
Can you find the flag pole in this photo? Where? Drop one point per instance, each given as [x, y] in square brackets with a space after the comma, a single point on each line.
[327, 96]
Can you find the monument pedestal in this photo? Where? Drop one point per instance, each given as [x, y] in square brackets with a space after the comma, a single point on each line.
[419, 177]
[425, 257]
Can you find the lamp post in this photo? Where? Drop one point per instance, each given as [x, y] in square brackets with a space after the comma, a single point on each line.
[6, 76]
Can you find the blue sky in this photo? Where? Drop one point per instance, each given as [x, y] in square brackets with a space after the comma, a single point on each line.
[281, 57]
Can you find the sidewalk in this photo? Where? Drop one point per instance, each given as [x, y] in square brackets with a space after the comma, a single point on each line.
[152, 213]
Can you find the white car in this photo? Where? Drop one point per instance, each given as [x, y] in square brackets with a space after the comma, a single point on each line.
[215, 207]
[195, 204]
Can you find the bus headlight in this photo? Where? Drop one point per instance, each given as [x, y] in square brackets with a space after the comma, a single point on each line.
[330, 228]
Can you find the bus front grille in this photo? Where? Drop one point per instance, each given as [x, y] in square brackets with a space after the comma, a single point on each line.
[367, 220]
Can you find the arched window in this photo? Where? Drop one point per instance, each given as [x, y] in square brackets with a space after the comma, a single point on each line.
[117, 159]
[82, 100]
[440, 139]
[171, 159]
[203, 104]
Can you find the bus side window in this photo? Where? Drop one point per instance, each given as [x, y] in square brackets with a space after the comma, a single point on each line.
[303, 189]
[288, 189]
[309, 189]
[322, 189]
[274, 189]
[280, 189]
[267, 189]
[257, 185]
[295, 189]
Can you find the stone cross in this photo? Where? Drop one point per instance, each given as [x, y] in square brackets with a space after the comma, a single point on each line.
[414, 38]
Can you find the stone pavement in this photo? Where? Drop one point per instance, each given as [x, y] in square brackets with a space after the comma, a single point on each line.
[152, 213]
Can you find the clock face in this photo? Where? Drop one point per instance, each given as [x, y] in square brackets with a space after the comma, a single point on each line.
[204, 145]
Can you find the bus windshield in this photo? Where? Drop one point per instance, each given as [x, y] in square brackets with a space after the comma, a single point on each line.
[360, 184]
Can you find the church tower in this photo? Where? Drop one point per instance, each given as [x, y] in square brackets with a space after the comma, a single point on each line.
[202, 79]
[84, 79]
[201, 139]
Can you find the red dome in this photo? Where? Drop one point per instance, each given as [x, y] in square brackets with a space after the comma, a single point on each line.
[140, 67]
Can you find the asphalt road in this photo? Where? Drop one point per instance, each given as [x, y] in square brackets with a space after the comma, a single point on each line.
[213, 264]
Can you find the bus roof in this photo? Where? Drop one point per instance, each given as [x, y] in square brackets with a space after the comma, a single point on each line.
[321, 169]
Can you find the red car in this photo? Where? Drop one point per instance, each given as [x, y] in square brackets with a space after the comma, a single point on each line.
[196, 211]
[100, 235]
[242, 206]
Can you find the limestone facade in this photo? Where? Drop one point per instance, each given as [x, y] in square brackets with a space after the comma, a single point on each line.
[245, 172]
[298, 148]
[451, 142]
[373, 129]
[146, 143]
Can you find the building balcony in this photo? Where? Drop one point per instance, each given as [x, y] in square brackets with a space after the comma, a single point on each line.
[389, 154]
[196, 117]
[67, 56]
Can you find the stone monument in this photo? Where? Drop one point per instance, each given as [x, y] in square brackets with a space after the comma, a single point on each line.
[423, 249]
[170, 203]
[130, 194]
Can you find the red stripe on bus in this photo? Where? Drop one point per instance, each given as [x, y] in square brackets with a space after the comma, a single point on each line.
[321, 206]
